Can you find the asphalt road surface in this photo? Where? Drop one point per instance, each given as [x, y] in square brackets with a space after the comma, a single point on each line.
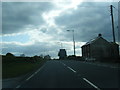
[72, 74]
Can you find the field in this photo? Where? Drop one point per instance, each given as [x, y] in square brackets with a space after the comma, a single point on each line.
[15, 69]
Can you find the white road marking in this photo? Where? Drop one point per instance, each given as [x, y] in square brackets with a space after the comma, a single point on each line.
[37, 71]
[71, 69]
[30, 77]
[18, 86]
[91, 84]
[34, 73]
[63, 63]
[68, 67]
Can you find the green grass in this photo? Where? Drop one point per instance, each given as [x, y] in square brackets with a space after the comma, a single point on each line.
[15, 69]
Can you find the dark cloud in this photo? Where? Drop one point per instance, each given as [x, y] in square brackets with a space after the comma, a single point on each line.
[16, 16]
[119, 23]
[88, 20]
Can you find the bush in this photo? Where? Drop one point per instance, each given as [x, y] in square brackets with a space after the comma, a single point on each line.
[8, 58]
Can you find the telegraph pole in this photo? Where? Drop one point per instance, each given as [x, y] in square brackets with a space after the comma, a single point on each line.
[111, 8]
[74, 42]
[119, 24]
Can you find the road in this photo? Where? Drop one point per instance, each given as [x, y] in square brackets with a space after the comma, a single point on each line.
[72, 74]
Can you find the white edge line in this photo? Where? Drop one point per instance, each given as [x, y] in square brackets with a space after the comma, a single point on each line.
[91, 83]
[37, 71]
[72, 69]
[34, 73]
[30, 77]
[18, 86]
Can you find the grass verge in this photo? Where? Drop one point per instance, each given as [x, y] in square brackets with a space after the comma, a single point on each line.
[15, 69]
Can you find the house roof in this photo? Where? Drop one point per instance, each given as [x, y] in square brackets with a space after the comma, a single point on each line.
[92, 40]
[114, 43]
[96, 38]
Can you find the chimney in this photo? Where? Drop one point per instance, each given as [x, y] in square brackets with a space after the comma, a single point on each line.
[99, 35]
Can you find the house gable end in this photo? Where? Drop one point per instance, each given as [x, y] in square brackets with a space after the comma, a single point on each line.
[100, 41]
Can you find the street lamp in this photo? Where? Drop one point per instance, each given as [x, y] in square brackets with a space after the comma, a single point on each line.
[60, 44]
[73, 41]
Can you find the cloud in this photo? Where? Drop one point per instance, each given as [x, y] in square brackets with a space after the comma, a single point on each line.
[87, 20]
[36, 48]
[17, 16]
[42, 25]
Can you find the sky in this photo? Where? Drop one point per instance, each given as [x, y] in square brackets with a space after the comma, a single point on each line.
[35, 28]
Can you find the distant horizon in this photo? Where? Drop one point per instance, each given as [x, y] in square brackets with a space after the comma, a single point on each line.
[34, 28]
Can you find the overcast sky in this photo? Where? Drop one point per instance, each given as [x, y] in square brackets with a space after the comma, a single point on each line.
[35, 28]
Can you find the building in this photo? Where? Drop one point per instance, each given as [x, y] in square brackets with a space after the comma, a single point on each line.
[47, 57]
[100, 48]
[62, 54]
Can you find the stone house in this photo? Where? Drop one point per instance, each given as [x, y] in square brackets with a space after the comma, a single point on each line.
[100, 48]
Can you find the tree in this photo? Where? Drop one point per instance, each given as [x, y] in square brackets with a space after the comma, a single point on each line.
[22, 55]
[47, 57]
[41, 56]
[9, 55]
[9, 58]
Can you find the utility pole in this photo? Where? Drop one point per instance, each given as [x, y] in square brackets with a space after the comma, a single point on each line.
[111, 8]
[119, 25]
[74, 42]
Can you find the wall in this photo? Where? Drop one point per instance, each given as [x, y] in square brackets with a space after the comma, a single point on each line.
[100, 48]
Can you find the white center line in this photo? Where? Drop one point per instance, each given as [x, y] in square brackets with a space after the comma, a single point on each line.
[71, 69]
[91, 84]
[63, 63]
[68, 67]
